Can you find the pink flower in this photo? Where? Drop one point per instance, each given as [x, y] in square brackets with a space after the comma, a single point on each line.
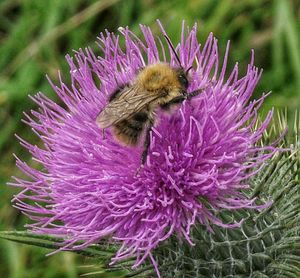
[200, 155]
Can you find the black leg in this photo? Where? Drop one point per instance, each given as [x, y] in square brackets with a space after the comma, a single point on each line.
[147, 142]
[180, 99]
[175, 100]
[193, 94]
[103, 134]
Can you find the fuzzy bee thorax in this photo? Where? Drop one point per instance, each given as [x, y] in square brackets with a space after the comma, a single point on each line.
[158, 77]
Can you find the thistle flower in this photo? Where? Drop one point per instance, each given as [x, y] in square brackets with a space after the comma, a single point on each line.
[199, 160]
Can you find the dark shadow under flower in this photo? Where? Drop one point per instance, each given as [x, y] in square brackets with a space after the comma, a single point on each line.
[199, 159]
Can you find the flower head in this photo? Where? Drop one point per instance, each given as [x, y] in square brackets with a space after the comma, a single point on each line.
[200, 155]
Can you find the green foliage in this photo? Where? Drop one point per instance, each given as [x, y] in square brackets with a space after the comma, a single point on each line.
[35, 35]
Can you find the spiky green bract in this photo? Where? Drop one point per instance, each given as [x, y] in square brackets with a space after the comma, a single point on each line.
[268, 242]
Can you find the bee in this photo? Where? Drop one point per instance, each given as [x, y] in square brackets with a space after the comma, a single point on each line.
[131, 109]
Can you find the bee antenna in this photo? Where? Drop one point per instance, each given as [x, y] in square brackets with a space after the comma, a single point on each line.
[172, 47]
[187, 71]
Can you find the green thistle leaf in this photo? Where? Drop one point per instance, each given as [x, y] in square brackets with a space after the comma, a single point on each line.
[102, 251]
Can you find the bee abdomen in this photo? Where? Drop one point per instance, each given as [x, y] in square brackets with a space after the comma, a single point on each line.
[141, 117]
[129, 130]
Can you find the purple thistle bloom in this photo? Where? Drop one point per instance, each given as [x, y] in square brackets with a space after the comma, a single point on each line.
[206, 149]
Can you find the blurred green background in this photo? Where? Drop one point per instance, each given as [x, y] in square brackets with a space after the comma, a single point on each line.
[35, 35]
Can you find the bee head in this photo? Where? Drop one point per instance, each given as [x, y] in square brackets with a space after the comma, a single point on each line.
[182, 78]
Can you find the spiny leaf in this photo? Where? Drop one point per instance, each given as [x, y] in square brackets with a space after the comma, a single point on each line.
[103, 250]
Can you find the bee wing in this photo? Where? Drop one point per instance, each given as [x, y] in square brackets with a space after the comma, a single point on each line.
[128, 102]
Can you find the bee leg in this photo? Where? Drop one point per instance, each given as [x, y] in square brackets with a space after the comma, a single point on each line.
[194, 93]
[103, 134]
[175, 100]
[147, 143]
[145, 151]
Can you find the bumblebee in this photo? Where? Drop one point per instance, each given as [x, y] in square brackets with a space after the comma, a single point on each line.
[131, 109]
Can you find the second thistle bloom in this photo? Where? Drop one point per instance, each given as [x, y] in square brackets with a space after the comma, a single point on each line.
[199, 160]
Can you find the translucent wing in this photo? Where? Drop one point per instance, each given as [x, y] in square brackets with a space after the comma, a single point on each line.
[125, 104]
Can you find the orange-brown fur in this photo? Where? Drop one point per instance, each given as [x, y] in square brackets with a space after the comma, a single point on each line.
[122, 133]
[160, 79]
